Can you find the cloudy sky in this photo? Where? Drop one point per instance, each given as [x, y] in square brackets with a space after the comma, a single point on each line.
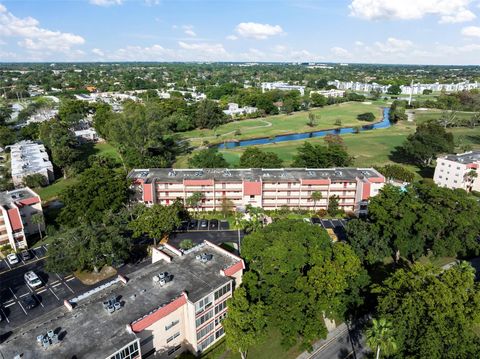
[373, 31]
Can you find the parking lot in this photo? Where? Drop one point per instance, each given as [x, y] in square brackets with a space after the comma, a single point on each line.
[203, 225]
[337, 225]
[36, 254]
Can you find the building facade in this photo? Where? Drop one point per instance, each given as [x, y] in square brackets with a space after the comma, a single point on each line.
[17, 208]
[458, 171]
[267, 86]
[175, 304]
[266, 188]
[28, 158]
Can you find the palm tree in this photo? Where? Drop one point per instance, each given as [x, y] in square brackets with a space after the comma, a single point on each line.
[194, 200]
[37, 219]
[380, 336]
[316, 196]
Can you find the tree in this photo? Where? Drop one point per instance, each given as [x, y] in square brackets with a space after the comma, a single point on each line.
[365, 240]
[380, 337]
[195, 200]
[186, 244]
[35, 180]
[397, 172]
[318, 100]
[394, 90]
[253, 157]
[429, 140]
[157, 221]
[7, 136]
[316, 196]
[320, 277]
[5, 113]
[367, 116]
[333, 208]
[312, 122]
[434, 311]
[227, 206]
[208, 158]
[245, 324]
[38, 219]
[87, 247]
[97, 190]
[208, 114]
[72, 111]
[318, 156]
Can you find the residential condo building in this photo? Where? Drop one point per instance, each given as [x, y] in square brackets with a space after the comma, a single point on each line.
[175, 304]
[267, 86]
[17, 208]
[458, 171]
[266, 188]
[28, 158]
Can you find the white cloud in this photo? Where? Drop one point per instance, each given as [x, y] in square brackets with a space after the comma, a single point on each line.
[188, 30]
[340, 52]
[34, 38]
[393, 45]
[257, 31]
[232, 37]
[473, 31]
[98, 52]
[359, 43]
[449, 11]
[152, 2]
[279, 48]
[204, 47]
[106, 2]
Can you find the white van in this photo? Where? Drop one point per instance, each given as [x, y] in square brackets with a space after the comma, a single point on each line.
[32, 279]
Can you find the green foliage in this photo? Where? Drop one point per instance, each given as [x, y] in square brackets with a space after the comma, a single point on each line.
[7, 136]
[429, 140]
[72, 111]
[96, 190]
[253, 157]
[434, 312]
[207, 158]
[208, 114]
[333, 207]
[318, 100]
[194, 201]
[245, 324]
[312, 122]
[367, 116]
[367, 243]
[86, 247]
[294, 262]
[35, 180]
[397, 172]
[318, 156]
[5, 113]
[394, 90]
[380, 337]
[186, 244]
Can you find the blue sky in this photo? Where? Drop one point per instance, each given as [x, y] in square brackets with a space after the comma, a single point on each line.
[374, 31]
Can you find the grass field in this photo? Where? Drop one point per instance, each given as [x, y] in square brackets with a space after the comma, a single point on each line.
[282, 124]
[422, 116]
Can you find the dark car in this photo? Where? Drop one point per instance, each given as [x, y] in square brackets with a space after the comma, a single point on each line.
[315, 220]
[29, 302]
[26, 255]
[204, 223]
[214, 224]
[193, 224]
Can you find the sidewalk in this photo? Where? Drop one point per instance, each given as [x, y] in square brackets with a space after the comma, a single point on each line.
[341, 329]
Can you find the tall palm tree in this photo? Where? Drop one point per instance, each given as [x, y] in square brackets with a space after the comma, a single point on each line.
[380, 337]
[316, 196]
[37, 219]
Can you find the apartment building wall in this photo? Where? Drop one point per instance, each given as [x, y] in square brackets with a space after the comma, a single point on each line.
[453, 174]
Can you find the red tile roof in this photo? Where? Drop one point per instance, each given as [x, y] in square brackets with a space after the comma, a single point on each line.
[29, 201]
[15, 220]
[252, 188]
[158, 314]
[234, 268]
[148, 192]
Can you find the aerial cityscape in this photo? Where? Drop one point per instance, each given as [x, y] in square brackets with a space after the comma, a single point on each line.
[226, 179]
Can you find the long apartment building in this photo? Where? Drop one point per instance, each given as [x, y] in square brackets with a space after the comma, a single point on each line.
[28, 158]
[17, 208]
[458, 171]
[175, 304]
[266, 188]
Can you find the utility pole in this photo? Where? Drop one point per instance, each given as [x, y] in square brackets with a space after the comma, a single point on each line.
[411, 93]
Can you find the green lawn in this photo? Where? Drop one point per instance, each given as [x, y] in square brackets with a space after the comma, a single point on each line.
[282, 124]
[51, 192]
[422, 116]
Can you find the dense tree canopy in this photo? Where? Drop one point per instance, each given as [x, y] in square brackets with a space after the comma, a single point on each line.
[207, 158]
[253, 157]
[318, 156]
[434, 312]
[294, 262]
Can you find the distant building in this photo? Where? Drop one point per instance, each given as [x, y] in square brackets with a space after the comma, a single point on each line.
[458, 171]
[28, 158]
[17, 208]
[267, 86]
[175, 304]
[235, 110]
[329, 93]
[87, 135]
[266, 188]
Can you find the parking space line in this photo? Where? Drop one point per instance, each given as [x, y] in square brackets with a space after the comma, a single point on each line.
[70, 276]
[52, 284]
[9, 305]
[56, 285]
[8, 320]
[12, 292]
[69, 279]
[41, 291]
[69, 286]
[53, 293]
[23, 295]
[21, 306]
[35, 254]
[8, 301]
[8, 264]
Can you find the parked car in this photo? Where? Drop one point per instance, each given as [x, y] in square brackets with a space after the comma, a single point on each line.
[26, 255]
[204, 223]
[29, 302]
[214, 224]
[193, 224]
[316, 220]
[32, 279]
[12, 258]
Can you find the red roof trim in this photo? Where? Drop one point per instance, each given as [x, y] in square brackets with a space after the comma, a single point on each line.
[366, 191]
[29, 201]
[230, 271]
[147, 192]
[158, 314]
[376, 179]
[15, 220]
[317, 181]
[198, 182]
[252, 188]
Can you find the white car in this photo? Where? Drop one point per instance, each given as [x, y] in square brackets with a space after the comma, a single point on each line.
[12, 258]
[32, 279]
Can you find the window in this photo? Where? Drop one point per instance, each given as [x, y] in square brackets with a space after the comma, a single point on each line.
[173, 350]
[169, 339]
[203, 304]
[204, 331]
[252, 196]
[220, 307]
[172, 324]
[219, 333]
[146, 340]
[206, 343]
[204, 318]
[222, 291]
[220, 318]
